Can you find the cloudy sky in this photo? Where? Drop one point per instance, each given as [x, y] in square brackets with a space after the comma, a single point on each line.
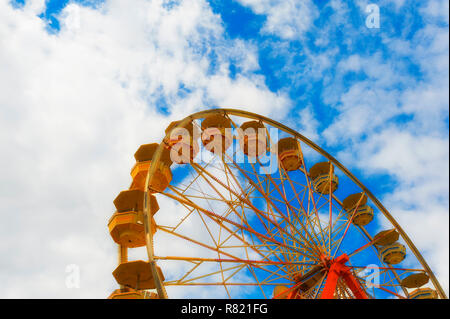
[84, 83]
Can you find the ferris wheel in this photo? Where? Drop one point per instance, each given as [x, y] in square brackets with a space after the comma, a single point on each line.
[234, 204]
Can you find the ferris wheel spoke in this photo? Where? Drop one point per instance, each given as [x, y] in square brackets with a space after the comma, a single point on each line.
[252, 272]
[277, 209]
[308, 252]
[305, 253]
[215, 249]
[216, 216]
[319, 287]
[294, 218]
[393, 272]
[289, 207]
[222, 198]
[337, 231]
[316, 220]
[373, 242]
[282, 179]
[230, 284]
[275, 275]
[302, 210]
[392, 268]
[246, 194]
[391, 292]
[330, 225]
[230, 203]
[293, 209]
[311, 196]
[340, 216]
[269, 211]
[224, 186]
[360, 229]
[234, 233]
[322, 205]
[194, 178]
[189, 272]
[348, 224]
[258, 212]
[192, 280]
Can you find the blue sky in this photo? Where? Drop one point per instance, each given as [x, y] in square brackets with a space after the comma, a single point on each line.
[375, 98]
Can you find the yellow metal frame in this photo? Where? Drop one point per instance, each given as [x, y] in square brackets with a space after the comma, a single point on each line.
[225, 111]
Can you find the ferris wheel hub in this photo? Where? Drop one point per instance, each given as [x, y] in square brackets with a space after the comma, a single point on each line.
[338, 269]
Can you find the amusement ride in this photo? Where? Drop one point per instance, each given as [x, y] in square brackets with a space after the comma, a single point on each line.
[237, 202]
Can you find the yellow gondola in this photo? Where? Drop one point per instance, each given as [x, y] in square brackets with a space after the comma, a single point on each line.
[182, 142]
[423, 293]
[252, 139]
[393, 254]
[386, 237]
[126, 226]
[321, 177]
[136, 274]
[162, 176]
[126, 293]
[415, 280]
[216, 133]
[289, 154]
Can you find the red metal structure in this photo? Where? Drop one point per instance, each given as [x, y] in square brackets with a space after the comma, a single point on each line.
[337, 269]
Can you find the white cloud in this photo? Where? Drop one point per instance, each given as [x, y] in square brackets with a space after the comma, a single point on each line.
[308, 124]
[437, 9]
[387, 122]
[392, 123]
[76, 104]
[287, 19]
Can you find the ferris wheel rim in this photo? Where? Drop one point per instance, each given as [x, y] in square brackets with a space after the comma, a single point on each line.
[246, 114]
